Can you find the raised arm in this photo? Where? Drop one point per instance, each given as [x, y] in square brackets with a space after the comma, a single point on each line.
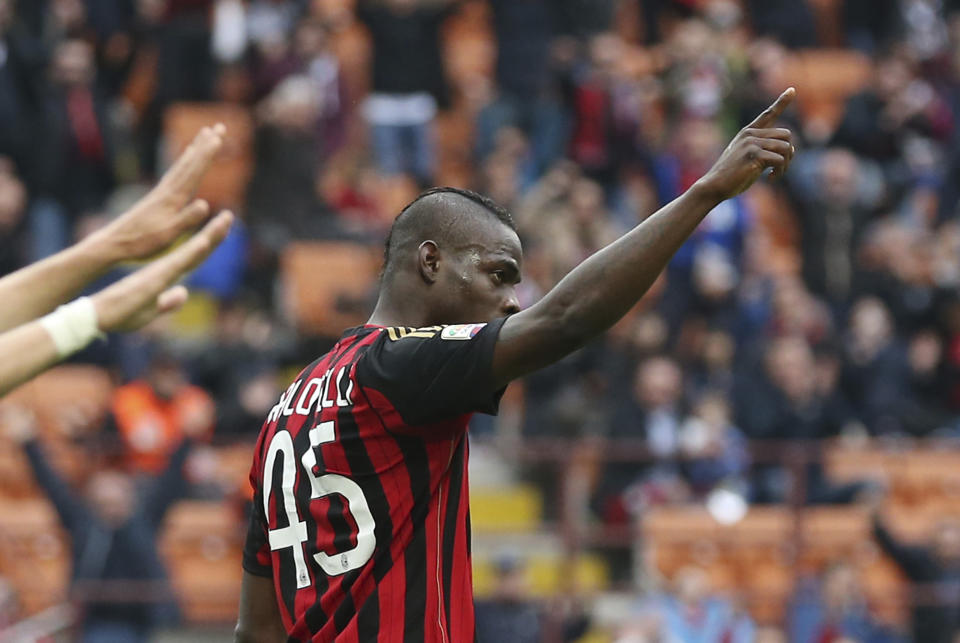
[915, 562]
[125, 305]
[152, 224]
[599, 291]
[20, 427]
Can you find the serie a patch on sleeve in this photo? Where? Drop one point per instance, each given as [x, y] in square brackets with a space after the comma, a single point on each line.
[461, 331]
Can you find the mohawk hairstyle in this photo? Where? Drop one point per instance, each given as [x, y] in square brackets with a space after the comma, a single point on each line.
[486, 202]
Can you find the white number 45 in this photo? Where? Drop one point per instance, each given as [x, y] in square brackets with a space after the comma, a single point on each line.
[295, 533]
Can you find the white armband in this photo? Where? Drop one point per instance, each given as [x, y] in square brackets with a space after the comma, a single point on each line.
[72, 326]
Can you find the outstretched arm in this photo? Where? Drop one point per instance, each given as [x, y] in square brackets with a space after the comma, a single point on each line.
[126, 305]
[152, 224]
[603, 288]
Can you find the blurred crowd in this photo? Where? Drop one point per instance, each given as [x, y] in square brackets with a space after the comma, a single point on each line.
[821, 306]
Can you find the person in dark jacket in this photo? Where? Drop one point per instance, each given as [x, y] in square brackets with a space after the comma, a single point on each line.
[934, 569]
[409, 84]
[117, 578]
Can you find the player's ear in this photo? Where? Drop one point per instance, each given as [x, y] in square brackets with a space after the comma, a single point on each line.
[428, 261]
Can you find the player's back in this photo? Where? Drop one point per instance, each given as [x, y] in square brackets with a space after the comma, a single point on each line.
[361, 510]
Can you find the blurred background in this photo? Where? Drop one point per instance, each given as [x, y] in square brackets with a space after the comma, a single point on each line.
[765, 449]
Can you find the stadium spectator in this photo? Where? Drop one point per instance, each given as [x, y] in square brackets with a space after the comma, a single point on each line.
[789, 21]
[878, 122]
[117, 577]
[73, 153]
[20, 67]
[509, 614]
[691, 613]
[715, 451]
[240, 367]
[788, 404]
[282, 198]
[923, 407]
[13, 204]
[834, 608]
[874, 370]
[837, 195]
[409, 83]
[154, 415]
[652, 415]
[527, 92]
[934, 568]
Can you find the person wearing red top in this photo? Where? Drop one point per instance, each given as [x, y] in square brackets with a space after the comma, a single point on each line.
[360, 529]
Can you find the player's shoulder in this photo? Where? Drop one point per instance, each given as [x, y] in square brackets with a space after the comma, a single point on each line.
[397, 333]
[452, 332]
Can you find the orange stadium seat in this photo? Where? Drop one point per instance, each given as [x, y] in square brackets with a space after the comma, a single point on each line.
[919, 478]
[326, 285]
[34, 553]
[82, 395]
[824, 79]
[758, 555]
[202, 543]
[70, 385]
[226, 181]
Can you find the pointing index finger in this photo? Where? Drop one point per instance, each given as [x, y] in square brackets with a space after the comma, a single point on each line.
[772, 113]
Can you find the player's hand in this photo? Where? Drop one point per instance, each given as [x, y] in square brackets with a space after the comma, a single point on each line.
[162, 216]
[755, 148]
[142, 296]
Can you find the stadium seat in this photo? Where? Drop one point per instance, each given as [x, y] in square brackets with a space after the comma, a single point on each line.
[196, 319]
[202, 543]
[34, 553]
[763, 554]
[547, 575]
[328, 285]
[71, 385]
[824, 79]
[918, 478]
[226, 181]
[512, 509]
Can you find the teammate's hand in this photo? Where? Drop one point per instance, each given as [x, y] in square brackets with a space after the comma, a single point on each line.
[160, 217]
[142, 296]
[755, 148]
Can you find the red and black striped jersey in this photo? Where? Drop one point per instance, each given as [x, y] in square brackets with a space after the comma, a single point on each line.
[360, 513]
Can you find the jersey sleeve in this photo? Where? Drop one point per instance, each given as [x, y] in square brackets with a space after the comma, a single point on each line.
[256, 547]
[434, 374]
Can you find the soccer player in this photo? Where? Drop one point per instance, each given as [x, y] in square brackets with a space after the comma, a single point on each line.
[360, 530]
[29, 346]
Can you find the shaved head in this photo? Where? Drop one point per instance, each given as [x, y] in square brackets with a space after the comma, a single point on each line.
[448, 216]
[452, 257]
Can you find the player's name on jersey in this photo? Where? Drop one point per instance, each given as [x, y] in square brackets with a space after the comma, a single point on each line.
[319, 392]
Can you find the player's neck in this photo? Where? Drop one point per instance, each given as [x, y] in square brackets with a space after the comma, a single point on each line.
[389, 312]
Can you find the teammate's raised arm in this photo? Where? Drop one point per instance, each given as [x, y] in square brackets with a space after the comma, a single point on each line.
[599, 291]
[150, 226]
[126, 305]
